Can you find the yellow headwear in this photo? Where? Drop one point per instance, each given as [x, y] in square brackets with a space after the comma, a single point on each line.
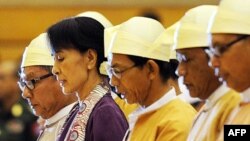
[96, 16]
[192, 31]
[38, 52]
[167, 39]
[137, 37]
[232, 17]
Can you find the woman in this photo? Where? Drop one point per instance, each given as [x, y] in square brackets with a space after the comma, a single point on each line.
[78, 48]
[141, 69]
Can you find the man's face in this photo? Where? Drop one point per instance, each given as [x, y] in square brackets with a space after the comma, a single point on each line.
[46, 98]
[131, 81]
[232, 63]
[198, 77]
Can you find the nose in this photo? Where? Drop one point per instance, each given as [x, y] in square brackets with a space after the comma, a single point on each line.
[181, 70]
[26, 93]
[55, 69]
[214, 62]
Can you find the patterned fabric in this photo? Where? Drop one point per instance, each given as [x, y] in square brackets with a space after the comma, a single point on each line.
[77, 129]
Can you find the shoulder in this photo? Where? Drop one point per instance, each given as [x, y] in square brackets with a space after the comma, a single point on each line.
[176, 113]
[107, 107]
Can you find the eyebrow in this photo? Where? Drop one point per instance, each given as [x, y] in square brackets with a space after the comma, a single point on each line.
[114, 65]
[29, 75]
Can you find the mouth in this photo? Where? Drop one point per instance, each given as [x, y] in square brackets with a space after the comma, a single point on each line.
[188, 85]
[32, 105]
[62, 83]
[221, 77]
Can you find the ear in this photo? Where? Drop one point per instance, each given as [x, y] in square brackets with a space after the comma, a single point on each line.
[153, 68]
[92, 58]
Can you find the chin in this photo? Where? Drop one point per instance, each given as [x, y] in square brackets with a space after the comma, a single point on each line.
[129, 101]
[67, 91]
[237, 87]
[193, 94]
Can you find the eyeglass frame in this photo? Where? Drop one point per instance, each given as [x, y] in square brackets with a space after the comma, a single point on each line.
[218, 51]
[111, 71]
[31, 83]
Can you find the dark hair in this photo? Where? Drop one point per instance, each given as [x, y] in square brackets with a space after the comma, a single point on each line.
[167, 69]
[80, 33]
[151, 14]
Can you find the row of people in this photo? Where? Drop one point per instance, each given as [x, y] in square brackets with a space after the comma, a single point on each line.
[141, 66]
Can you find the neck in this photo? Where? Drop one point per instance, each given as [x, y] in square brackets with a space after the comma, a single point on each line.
[91, 82]
[158, 89]
[175, 84]
[212, 87]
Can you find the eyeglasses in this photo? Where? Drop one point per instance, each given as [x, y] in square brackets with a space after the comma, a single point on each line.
[117, 72]
[218, 51]
[31, 83]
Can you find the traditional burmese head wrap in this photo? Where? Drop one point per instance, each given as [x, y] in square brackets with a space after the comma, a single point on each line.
[167, 39]
[192, 31]
[138, 37]
[96, 16]
[233, 16]
[106, 23]
[38, 52]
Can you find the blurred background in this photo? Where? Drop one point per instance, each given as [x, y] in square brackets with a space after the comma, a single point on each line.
[23, 20]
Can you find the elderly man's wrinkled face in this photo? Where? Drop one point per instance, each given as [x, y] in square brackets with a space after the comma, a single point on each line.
[128, 79]
[232, 64]
[198, 77]
[46, 98]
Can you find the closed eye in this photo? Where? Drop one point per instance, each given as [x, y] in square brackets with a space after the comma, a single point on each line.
[59, 58]
[116, 70]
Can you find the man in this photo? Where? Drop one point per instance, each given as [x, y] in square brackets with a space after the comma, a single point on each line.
[17, 123]
[167, 39]
[199, 78]
[230, 52]
[141, 70]
[41, 89]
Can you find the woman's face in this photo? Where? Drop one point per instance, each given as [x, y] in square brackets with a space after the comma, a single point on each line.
[71, 69]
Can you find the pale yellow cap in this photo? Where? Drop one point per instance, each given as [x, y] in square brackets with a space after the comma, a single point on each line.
[233, 17]
[96, 16]
[38, 52]
[103, 68]
[167, 39]
[193, 29]
[136, 37]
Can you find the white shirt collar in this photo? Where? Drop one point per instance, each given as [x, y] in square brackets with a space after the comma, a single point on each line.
[246, 95]
[59, 115]
[215, 96]
[170, 95]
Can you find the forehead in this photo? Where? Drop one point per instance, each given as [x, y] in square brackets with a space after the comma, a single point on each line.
[222, 38]
[189, 51]
[68, 51]
[31, 71]
[119, 59]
